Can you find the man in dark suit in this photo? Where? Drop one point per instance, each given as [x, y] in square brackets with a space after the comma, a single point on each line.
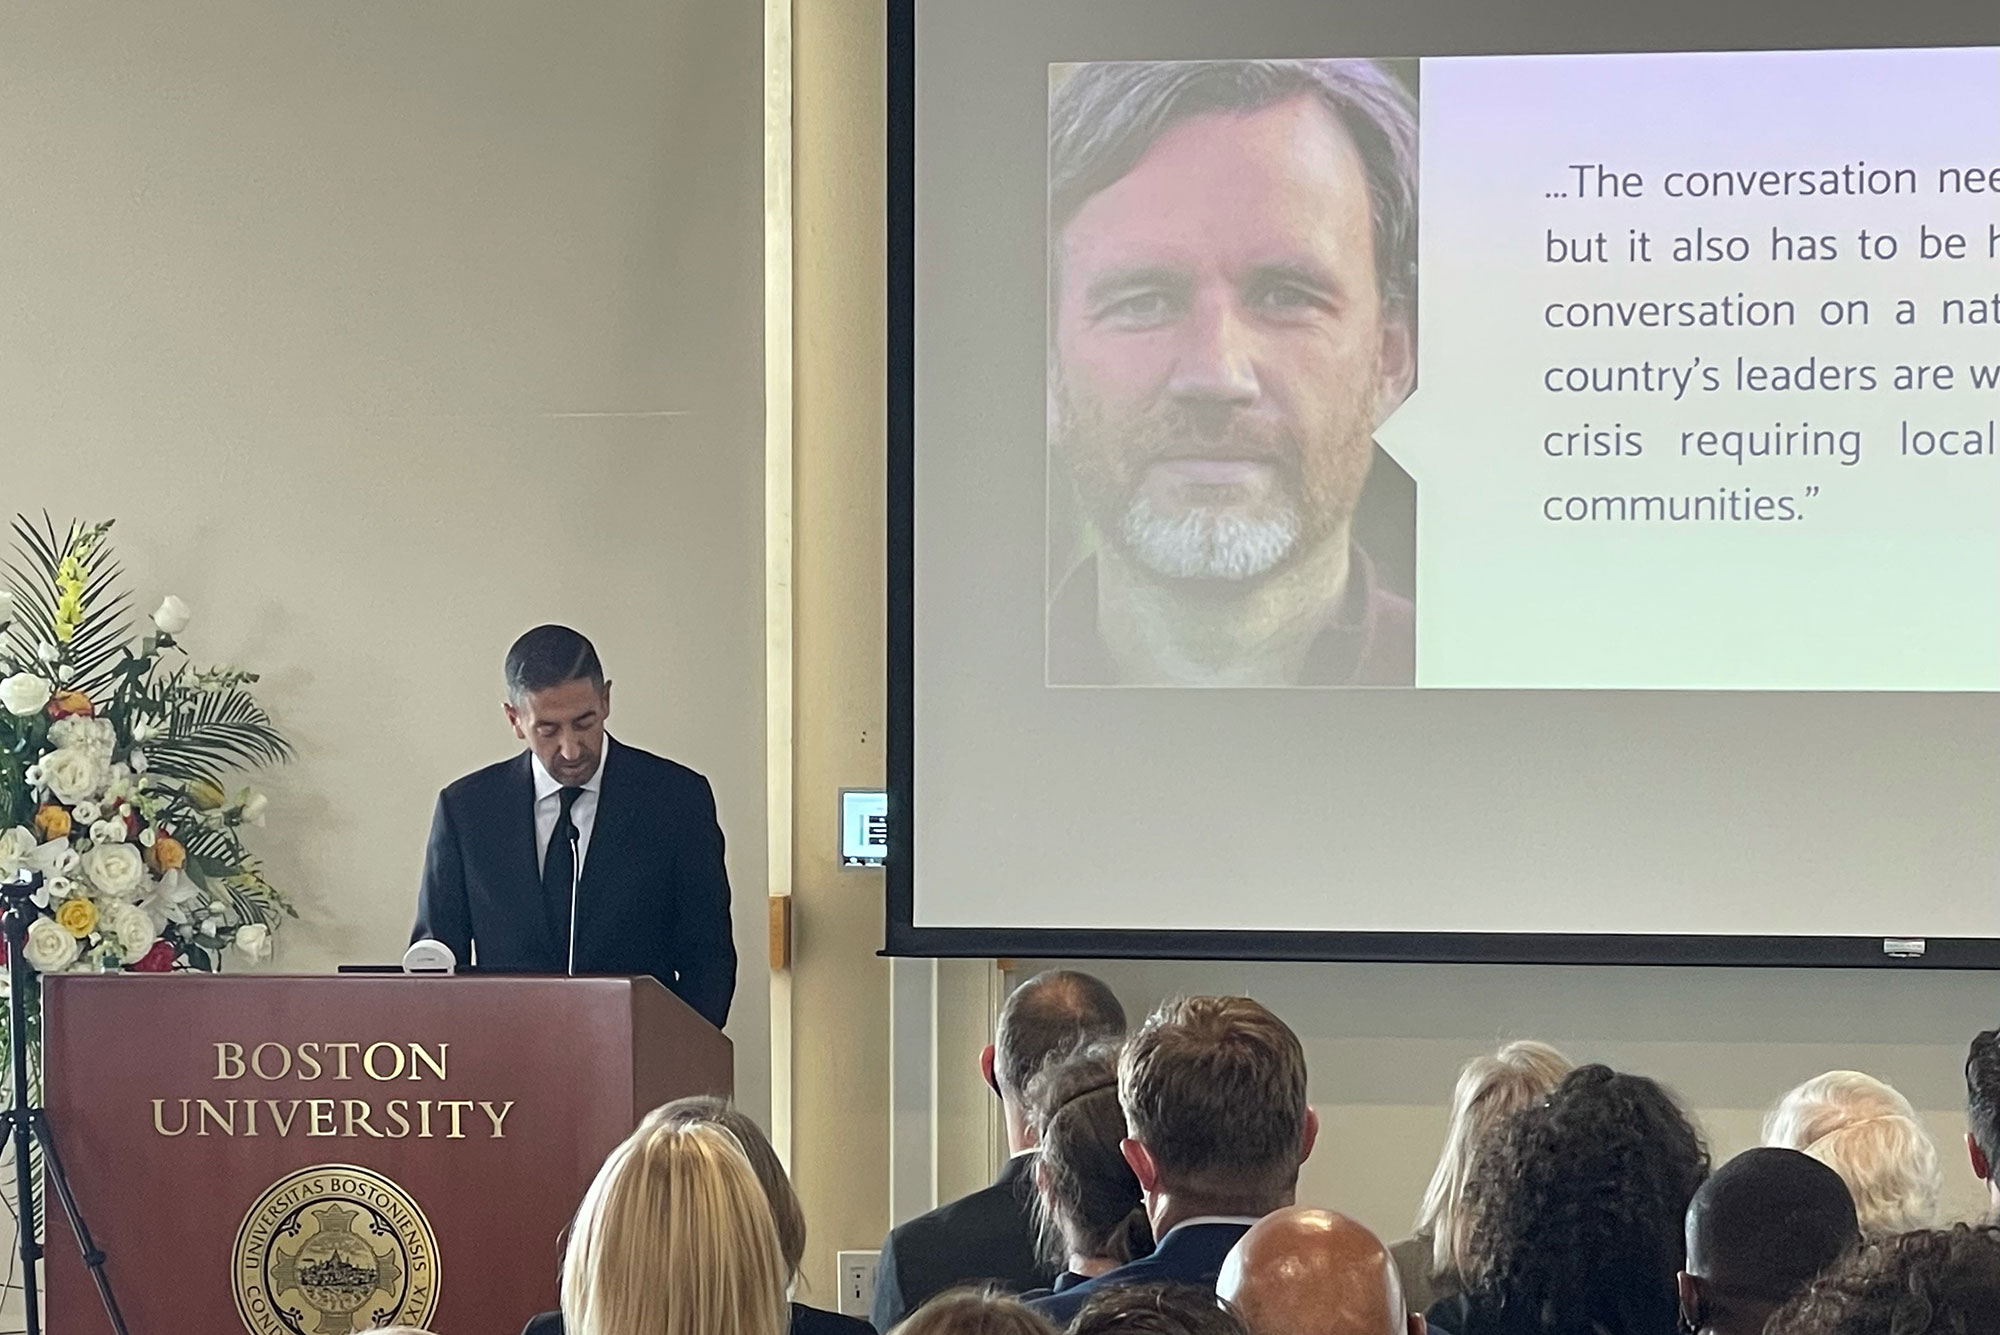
[989, 1236]
[1214, 1090]
[580, 829]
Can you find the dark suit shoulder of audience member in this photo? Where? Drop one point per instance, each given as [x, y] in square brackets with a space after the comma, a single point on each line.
[1214, 1091]
[1578, 1206]
[990, 1236]
[1931, 1282]
[805, 1321]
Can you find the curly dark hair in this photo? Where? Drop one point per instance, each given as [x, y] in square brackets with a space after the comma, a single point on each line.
[1157, 1309]
[1931, 1282]
[1577, 1207]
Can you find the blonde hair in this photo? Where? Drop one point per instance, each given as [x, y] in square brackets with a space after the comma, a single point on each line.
[1490, 1089]
[786, 1211]
[1869, 1134]
[674, 1237]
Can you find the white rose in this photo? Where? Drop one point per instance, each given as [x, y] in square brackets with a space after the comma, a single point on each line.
[253, 809]
[132, 927]
[73, 774]
[24, 693]
[78, 733]
[55, 858]
[172, 616]
[15, 845]
[50, 948]
[254, 940]
[115, 869]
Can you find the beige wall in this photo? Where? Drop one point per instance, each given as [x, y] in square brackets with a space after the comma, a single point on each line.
[840, 991]
[386, 331]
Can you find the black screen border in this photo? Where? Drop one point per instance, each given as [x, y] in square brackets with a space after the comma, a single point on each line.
[902, 937]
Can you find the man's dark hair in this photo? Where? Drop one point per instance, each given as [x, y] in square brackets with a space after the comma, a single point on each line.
[975, 1311]
[1931, 1282]
[1578, 1205]
[1215, 1089]
[1982, 1095]
[1767, 1224]
[1157, 1309]
[1046, 1016]
[549, 656]
[1105, 117]
[1089, 1203]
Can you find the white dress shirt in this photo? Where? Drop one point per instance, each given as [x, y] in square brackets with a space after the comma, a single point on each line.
[582, 813]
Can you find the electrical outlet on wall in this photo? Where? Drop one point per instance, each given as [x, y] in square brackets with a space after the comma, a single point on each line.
[856, 1272]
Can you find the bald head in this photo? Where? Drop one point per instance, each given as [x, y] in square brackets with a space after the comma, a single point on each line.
[1313, 1272]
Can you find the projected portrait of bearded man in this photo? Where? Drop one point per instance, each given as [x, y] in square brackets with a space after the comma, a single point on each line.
[1232, 289]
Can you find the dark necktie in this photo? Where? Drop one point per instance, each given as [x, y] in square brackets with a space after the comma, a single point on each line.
[559, 874]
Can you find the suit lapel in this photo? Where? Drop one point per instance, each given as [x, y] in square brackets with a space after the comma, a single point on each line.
[525, 882]
[610, 842]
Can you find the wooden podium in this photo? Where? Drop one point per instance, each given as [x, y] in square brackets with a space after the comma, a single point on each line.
[312, 1156]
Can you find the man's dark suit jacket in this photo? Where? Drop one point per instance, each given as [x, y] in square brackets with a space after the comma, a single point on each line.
[1189, 1254]
[805, 1321]
[987, 1236]
[654, 896]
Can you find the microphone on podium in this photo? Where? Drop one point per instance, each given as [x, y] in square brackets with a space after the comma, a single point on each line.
[575, 885]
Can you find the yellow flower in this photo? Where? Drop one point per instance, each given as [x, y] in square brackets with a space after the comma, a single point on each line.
[77, 916]
[205, 795]
[64, 704]
[166, 854]
[52, 821]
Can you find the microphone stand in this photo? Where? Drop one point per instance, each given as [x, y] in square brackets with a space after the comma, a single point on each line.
[575, 888]
[29, 1123]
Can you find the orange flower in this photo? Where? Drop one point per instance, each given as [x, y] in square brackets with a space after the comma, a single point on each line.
[167, 854]
[52, 821]
[65, 704]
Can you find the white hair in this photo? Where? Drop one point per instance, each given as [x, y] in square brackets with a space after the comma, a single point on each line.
[1204, 543]
[1490, 1090]
[1869, 1134]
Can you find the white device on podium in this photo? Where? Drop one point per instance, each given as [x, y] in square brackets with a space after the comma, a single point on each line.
[428, 956]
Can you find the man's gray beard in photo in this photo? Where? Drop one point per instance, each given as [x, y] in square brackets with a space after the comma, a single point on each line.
[1202, 543]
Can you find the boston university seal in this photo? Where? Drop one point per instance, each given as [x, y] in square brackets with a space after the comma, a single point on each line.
[334, 1250]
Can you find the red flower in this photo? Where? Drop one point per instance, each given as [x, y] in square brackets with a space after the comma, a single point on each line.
[160, 959]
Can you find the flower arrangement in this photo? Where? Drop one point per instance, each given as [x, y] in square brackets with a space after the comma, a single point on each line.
[113, 757]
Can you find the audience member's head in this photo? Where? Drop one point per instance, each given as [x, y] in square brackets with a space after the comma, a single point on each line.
[1758, 1232]
[1214, 1091]
[1312, 1272]
[1157, 1309]
[1982, 1111]
[1092, 1216]
[974, 1312]
[786, 1212]
[1490, 1090]
[675, 1237]
[1870, 1135]
[1042, 1018]
[1577, 1206]
[1930, 1282]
